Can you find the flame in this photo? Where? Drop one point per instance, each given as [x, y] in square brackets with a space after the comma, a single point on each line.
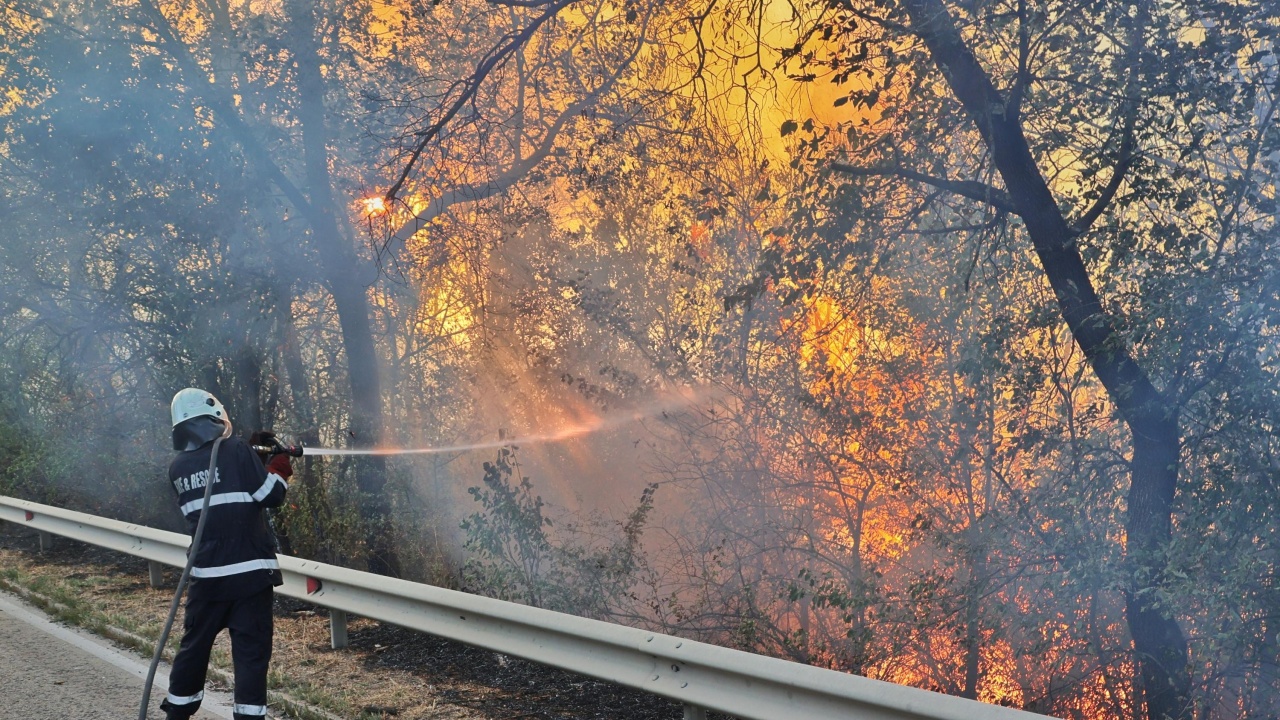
[374, 205]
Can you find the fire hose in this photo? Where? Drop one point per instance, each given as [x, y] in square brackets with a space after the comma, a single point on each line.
[291, 450]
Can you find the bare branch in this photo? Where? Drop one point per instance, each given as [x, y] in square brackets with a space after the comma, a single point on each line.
[972, 189]
[1127, 157]
[1023, 79]
[495, 58]
[522, 3]
[1126, 153]
[519, 169]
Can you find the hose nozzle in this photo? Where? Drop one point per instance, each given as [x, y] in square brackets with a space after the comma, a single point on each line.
[277, 449]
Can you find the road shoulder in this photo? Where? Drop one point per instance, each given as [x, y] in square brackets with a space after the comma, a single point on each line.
[51, 670]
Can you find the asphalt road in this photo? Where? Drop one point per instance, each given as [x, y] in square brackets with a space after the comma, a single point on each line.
[54, 672]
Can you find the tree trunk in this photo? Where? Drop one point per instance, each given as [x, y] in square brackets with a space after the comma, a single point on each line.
[248, 399]
[973, 618]
[338, 260]
[1152, 419]
[295, 368]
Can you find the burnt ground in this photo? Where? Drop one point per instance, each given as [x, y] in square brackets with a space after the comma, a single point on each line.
[515, 688]
[498, 686]
[386, 672]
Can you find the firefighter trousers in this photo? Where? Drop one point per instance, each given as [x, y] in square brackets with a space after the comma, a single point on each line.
[249, 622]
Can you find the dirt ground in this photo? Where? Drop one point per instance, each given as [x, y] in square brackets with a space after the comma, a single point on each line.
[387, 672]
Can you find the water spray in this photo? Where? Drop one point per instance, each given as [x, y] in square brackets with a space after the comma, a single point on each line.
[568, 433]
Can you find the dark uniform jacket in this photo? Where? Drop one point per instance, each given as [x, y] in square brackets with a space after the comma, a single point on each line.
[236, 557]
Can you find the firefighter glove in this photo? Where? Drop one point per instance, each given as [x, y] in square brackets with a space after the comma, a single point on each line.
[279, 464]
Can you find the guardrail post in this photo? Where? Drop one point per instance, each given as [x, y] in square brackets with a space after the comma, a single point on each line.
[46, 541]
[156, 572]
[693, 712]
[337, 629]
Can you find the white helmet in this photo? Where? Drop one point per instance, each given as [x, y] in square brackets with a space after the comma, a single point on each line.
[192, 402]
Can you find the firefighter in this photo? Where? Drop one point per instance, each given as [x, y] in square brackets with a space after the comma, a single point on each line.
[235, 569]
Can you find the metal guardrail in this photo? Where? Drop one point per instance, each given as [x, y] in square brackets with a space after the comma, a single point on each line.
[702, 676]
